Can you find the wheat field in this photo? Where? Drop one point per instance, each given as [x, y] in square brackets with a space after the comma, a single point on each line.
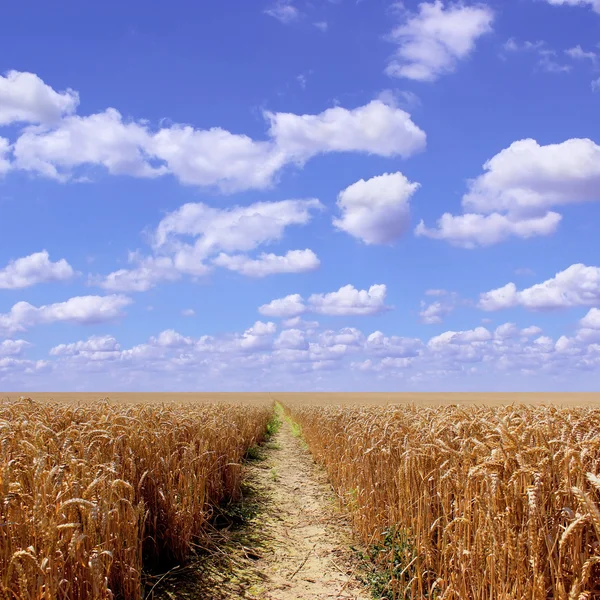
[94, 494]
[477, 499]
[469, 502]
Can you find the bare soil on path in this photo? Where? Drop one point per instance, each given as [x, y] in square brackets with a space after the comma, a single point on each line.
[297, 545]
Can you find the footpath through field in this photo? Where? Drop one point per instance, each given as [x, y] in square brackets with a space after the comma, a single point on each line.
[294, 544]
[308, 553]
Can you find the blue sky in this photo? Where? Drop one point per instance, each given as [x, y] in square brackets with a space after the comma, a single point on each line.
[326, 195]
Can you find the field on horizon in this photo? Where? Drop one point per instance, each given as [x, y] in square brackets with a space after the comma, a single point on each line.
[329, 398]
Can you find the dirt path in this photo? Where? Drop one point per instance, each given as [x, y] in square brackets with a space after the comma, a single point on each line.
[308, 555]
[293, 545]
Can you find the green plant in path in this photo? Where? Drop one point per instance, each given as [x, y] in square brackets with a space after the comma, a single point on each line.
[295, 427]
[274, 424]
[254, 453]
[389, 565]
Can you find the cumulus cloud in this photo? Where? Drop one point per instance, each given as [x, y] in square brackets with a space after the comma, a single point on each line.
[376, 128]
[435, 312]
[578, 285]
[433, 41]
[240, 228]
[13, 347]
[84, 310]
[33, 269]
[346, 301]
[62, 145]
[94, 344]
[479, 334]
[392, 346]
[591, 319]
[148, 272]
[377, 211]
[294, 339]
[290, 306]
[350, 301]
[294, 261]
[188, 237]
[519, 187]
[25, 98]
[471, 230]
[261, 357]
[102, 139]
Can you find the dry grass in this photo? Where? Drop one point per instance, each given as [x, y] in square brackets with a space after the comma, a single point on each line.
[93, 494]
[482, 503]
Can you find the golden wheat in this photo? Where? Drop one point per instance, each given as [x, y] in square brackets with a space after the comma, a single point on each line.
[484, 503]
[90, 495]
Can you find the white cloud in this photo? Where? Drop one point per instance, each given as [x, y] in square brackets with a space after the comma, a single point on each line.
[25, 98]
[101, 139]
[578, 285]
[188, 312]
[435, 312]
[216, 157]
[189, 236]
[529, 331]
[350, 301]
[33, 269]
[347, 336]
[294, 261]
[519, 186]
[79, 309]
[527, 177]
[578, 53]
[376, 211]
[381, 345]
[591, 319]
[93, 345]
[594, 4]
[471, 230]
[595, 85]
[321, 25]
[149, 272]
[60, 149]
[13, 347]
[547, 58]
[294, 339]
[375, 128]
[171, 339]
[346, 301]
[257, 337]
[284, 11]
[290, 306]
[260, 358]
[241, 228]
[506, 331]
[432, 42]
[299, 323]
[479, 334]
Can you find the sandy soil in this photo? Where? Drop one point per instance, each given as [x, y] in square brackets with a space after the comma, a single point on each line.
[296, 546]
[428, 398]
[308, 557]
